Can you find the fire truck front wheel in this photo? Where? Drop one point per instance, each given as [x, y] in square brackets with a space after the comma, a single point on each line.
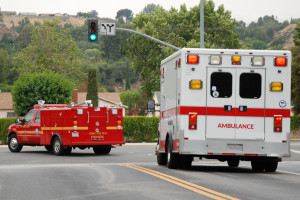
[13, 144]
[57, 146]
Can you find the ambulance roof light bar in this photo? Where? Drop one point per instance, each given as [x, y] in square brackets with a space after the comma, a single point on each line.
[215, 60]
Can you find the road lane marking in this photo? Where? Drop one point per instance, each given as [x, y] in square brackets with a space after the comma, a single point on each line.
[294, 151]
[293, 173]
[182, 183]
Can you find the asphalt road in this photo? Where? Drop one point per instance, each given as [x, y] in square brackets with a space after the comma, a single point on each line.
[131, 172]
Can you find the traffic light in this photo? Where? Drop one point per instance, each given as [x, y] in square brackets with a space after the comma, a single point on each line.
[93, 30]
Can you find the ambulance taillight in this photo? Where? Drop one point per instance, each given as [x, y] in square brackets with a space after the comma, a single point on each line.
[193, 121]
[278, 124]
[192, 59]
[280, 61]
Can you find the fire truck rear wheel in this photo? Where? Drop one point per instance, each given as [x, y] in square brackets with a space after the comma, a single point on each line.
[233, 162]
[102, 150]
[57, 146]
[13, 144]
[172, 158]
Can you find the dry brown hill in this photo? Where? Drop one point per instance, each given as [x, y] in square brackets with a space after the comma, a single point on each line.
[287, 34]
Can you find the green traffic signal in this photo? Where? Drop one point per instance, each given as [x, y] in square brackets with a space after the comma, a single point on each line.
[93, 30]
[93, 37]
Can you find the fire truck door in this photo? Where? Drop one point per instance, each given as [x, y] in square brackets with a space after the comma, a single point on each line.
[220, 101]
[250, 104]
[28, 130]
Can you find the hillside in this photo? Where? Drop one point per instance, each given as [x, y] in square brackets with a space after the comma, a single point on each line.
[287, 34]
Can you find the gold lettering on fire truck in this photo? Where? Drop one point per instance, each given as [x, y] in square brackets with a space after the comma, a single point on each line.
[100, 133]
[236, 126]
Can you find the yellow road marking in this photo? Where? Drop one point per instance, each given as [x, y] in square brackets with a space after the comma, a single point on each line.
[182, 183]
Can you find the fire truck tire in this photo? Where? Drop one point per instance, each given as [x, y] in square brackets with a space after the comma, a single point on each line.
[185, 162]
[67, 151]
[271, 166]
[161, 158]
[57, 146]
[258, 166]
[13, 144]
[172, 158]
[102, 150]
[49, 148]
[233, 162]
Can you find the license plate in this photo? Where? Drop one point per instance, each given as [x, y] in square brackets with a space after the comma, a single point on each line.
[235, 147]
[75, 134]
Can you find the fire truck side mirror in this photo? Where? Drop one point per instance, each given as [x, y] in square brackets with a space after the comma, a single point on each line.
[18, 120]
[151, 105]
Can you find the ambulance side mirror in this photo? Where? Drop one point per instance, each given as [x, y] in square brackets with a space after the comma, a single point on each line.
[151, 105]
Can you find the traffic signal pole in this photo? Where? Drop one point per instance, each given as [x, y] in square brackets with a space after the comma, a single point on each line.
[149, 37]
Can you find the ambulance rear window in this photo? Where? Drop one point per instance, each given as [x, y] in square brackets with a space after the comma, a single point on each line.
[221, 85]
[250, 86]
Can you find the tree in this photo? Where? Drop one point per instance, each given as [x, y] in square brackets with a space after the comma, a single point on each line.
[47, 86]
[23, 39]
[296, 71]
[1, 17]
[130, 98]
[94, 13]
[4, 65]
[179, 28]
[51, 50]
[124, 16]
[92, 88]
[150, 8]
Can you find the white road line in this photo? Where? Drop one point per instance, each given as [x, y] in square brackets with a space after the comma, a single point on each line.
[298, 174]
[294, 151]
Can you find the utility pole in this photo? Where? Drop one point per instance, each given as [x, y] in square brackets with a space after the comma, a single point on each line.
[202, 24]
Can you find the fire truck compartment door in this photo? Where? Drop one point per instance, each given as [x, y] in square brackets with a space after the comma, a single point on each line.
[250, 104]
[220, 103]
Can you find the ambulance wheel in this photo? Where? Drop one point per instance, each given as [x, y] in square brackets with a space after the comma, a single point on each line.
[271, 166]
[57, 147]
[258, 166]
[13, 144]
[161, 158]
[233, 162]
[102, 150]
[172, 158]
[49, 148]
[185, 162]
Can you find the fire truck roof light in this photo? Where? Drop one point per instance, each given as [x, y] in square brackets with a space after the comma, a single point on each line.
[236, 60]
[192, 59]
[280, 61]
[276, 86]
[195, 84]
[258, 61]
[215, 60]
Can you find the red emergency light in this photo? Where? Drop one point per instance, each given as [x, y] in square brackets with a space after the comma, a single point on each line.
[193, 121]
[280, 61]
[278, 124]
[192, 59]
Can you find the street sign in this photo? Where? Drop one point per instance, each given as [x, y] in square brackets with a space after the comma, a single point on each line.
[108, 29]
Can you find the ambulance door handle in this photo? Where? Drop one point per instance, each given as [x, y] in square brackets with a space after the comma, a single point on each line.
[228, 108]
[243, 108]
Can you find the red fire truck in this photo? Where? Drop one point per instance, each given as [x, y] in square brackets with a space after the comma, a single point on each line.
[60, 128]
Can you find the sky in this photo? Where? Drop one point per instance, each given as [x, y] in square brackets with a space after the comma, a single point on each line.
[247, 11]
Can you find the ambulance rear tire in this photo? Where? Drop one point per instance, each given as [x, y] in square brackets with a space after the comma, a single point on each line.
[102, 150]
[161, 158]
[233, 162]
[271, 166]
[13, 144]
[49, 148]
[185, 162]
[57, 147]
[258, 166]
[172, 158]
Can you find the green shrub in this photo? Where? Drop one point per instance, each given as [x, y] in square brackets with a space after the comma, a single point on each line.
[4, 124]
[140, 129]
[295, 123]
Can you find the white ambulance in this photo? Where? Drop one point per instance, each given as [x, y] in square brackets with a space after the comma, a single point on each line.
[225, 104]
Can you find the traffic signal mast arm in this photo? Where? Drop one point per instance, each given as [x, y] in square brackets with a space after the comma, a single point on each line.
[149, 37]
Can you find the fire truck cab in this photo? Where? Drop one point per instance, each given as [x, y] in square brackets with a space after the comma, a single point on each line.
[60, 128]
[224, 104]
